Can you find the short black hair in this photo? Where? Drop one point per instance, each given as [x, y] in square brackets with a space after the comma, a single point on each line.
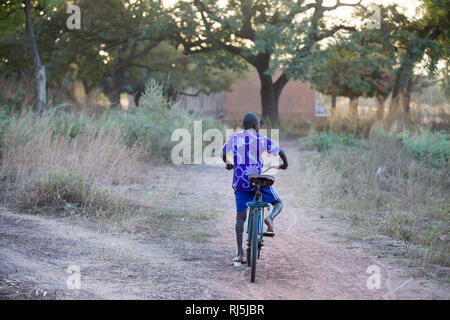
[250, 121]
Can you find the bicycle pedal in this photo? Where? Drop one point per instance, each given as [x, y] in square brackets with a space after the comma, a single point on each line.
[269, 234]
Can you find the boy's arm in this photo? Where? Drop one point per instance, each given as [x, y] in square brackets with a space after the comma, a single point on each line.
[228, 166]
[227, 147]
[284, 158]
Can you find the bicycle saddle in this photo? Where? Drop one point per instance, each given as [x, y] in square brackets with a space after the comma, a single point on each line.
[261, 180]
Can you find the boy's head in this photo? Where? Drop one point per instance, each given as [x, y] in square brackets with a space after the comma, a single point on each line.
[250, 121]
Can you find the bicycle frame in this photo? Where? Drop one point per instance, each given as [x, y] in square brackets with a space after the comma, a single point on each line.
[256, 206]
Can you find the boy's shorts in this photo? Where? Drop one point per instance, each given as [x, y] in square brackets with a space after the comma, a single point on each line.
[242, 197]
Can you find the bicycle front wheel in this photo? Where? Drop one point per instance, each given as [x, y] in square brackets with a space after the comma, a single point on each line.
[254, 245]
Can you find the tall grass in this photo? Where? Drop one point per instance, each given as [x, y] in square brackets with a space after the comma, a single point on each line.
[343, 125]
[17, 92]
[45, 165]
[391, 183]
[64, 161]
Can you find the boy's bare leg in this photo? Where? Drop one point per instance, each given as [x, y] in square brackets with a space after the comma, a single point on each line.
[277, 206]
[241, 216]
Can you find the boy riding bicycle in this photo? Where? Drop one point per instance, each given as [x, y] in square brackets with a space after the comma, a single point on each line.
[247, 146]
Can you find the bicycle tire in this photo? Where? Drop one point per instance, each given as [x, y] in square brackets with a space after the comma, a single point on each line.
[249, 230]
[254, 245]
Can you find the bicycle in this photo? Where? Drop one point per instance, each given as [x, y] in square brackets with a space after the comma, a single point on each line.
[255, 231]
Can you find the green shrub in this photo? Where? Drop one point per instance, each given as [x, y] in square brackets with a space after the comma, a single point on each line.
[152, 123]
[325, 140]
[433, 148]
[12, 103]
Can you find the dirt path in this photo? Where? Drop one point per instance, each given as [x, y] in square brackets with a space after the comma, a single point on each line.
[306, 260]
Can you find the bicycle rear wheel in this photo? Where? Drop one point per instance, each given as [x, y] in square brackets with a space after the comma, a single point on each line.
[249, 242]
[254, 245]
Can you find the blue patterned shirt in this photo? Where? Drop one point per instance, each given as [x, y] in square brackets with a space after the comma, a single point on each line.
[247, 147]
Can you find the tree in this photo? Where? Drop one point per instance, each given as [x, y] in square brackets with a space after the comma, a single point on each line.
[352, 67]
[416, 38]
[40, 77]
[116, 40]
[178, 72]
[268, 35]
[9, 16]
[397, 48]
[121, 45]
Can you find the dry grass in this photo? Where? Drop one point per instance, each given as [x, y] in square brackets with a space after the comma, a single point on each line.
[69, 163]
[18, 93]
[392, 183]
[43, 168]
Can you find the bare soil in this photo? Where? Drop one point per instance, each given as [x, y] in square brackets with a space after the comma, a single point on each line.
[182, 244]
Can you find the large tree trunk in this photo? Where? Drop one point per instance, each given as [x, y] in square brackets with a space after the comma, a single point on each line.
[406, 95]
[270, 91]
[40, 90]
[333, 102]
[403, 80]
[269, 102]
[40, 78]
[270, 94]
[333, 105]
[400, 82]
[112, 91]
[401, 96]
[137, 96]
[353, 107]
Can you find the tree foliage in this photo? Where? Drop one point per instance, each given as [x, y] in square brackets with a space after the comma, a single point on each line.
[122, 44]
[268, 35]
[351, 67]
[377, 62]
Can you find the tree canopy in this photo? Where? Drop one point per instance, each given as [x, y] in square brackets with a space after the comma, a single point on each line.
[268, 35]
[205, 44]
[121, 45]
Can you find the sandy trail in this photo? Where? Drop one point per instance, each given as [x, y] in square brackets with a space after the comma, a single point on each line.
[306, 260]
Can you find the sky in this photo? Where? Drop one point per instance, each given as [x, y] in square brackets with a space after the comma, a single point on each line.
[410, 5]
[343, 15]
